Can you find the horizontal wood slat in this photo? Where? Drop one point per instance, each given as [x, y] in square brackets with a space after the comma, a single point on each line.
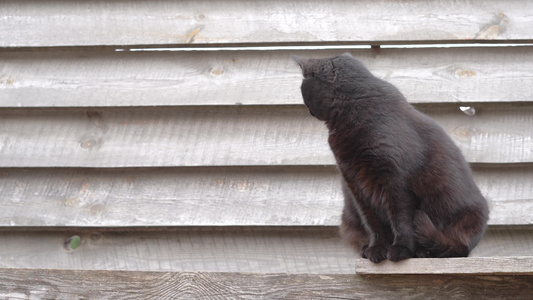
[98, 22]
[69, 284]
[460, 265]
[296, 196]
[169, 197]
[292, 250]
[219, 136]
[102, 78]
[316, 250]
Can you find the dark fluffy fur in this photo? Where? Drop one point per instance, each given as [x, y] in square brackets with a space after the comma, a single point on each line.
[408, 190]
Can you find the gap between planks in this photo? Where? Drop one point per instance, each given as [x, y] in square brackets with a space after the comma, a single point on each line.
[451, 266]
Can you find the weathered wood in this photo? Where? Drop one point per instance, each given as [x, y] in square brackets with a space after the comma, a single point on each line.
[69, 284]
[316, 250]
[103, 78]
[505, 241]
[266, 250]
[507, 188]
[170, 197]
[218, 136]
[185, 136]
[210, 22]
[459, 265]
[247, 196]
[493, 135]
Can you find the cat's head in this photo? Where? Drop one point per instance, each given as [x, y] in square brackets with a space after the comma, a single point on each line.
[322, 78]
[317, 86]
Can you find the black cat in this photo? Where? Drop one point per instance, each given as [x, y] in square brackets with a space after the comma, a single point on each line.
[408, 190]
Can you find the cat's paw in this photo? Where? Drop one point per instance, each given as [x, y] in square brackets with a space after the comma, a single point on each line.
[397, 253]
[375, 253]
[363, 251]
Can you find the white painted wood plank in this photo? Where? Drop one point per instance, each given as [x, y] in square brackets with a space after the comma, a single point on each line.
[98, 22]
[170, 197]
[505, 241]
[186, 136]
[509, 190]
[221, 136]
[248, 196]
[315, 250]
[494, 134]
[101, 78]
[310, 250]
[462, 265]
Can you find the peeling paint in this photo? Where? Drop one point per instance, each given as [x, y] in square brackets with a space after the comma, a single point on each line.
[465, 73]
[217, 71]
[189, 38]
[494, 28]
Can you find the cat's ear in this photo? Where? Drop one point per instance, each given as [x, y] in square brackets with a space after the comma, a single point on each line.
[347, 54]
[300, 60]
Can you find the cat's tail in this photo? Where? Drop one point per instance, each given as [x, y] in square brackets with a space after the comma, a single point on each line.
[434, 243]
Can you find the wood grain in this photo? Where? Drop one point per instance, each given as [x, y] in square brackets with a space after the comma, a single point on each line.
[209, 22]
[170, 197]
[247, 196]
[222, 136]
[69, 284]
[505, 241]
[298, 250]
[459, 265]
[227, 249]
[90, 78]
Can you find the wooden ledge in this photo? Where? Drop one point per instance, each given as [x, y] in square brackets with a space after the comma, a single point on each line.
[86, 284]
[466, 265]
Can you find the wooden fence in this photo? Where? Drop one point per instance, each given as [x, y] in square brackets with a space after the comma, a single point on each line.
[199, 173]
